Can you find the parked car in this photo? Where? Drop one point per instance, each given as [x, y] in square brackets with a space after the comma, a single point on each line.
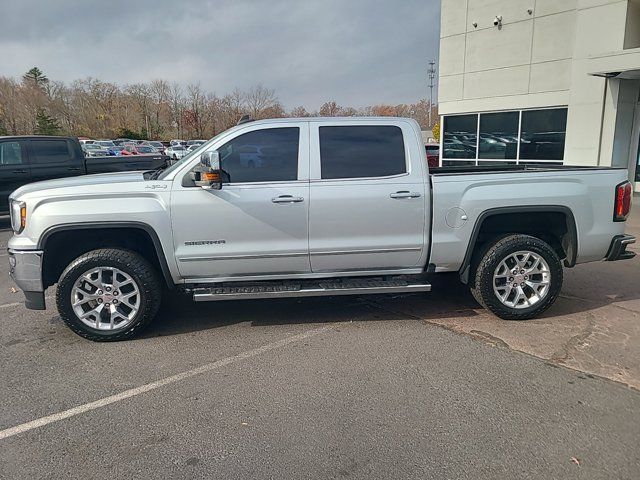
[433, 154]
[195, 142]
[155, 144]
[105, 143]
[116, 150]
[94, 150]
[176, 152]
[139, 150]
[33, 159]
[176, 142]
[379, 221]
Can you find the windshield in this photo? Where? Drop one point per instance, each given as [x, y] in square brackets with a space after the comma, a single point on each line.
[144, 149]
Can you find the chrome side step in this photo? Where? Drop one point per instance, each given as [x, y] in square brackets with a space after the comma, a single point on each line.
[307, 289]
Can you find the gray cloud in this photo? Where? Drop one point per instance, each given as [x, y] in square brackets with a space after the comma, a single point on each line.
[356, 52]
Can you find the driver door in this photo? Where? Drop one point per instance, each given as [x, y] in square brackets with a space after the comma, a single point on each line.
[256, 225]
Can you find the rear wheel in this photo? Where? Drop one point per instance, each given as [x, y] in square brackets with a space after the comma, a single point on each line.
[518, 277]
[108, 295]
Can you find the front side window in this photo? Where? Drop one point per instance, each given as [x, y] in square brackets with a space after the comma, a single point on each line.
[268, 155]
[361, 152]
[10, 153]
[543, 134]
[51, 151]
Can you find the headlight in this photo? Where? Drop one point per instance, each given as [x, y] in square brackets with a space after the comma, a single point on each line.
[18, 216]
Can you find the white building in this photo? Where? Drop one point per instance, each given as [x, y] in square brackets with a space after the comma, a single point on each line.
[541, 81]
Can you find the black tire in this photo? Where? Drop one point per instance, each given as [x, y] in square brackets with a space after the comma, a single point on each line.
[131, 263]
[482, 288]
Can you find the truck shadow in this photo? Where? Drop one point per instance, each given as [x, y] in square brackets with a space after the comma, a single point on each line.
[180, 315]
[587, 288]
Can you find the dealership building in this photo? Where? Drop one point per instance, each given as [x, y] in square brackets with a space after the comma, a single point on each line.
[540, 81]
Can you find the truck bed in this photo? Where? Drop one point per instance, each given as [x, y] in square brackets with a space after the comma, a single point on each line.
[473, 169]
[462, 195]
[125, 163]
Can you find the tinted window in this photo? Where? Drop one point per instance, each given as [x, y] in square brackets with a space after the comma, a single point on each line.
[543, 134]
[361, 151]
[269, 155]
[459, 139]
[50, 151]
[10, 153]
[498, 135]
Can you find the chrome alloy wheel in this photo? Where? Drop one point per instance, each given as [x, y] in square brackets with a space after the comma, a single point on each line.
[105, 298]
[521, 280]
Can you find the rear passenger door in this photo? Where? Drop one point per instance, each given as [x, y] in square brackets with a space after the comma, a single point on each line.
[367, 204]
[53, 158]
[14, 169]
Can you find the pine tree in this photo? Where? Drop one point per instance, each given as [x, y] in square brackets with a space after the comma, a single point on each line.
[36, 76]
[45, 124]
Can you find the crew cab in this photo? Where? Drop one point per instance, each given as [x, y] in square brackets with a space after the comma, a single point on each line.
[27, 159]
[333, 206]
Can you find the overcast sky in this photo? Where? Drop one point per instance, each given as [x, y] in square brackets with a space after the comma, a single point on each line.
[356, 52]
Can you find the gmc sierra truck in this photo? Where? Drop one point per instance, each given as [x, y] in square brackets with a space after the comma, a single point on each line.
[308, 207]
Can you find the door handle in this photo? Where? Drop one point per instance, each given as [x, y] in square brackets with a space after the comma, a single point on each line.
[287, 199]
[74, 169]
[19, 171]
[405, 194]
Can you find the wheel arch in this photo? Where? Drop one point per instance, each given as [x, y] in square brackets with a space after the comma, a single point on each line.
[560, 229]
[142, 239]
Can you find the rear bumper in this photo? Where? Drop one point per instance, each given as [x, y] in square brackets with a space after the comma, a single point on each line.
[25, 268]
[618, 248]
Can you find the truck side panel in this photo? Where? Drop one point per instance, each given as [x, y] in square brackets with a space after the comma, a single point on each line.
[460, 200]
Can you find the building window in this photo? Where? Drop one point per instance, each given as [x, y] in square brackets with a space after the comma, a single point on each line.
[460, 136]
[542, 134]
[498, 136]
[512, 137]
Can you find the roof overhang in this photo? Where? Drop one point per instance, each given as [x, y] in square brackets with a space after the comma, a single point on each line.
[620, 64]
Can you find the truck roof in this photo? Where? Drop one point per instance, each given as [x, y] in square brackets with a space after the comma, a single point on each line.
[23, 137]
[331, 119]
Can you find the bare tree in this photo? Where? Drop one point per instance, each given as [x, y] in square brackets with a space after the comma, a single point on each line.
[258, 99]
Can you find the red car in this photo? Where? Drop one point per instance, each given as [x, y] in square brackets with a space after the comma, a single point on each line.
[433, 154]
[139, 150]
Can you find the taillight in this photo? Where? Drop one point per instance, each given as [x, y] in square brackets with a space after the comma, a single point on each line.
[622, 204]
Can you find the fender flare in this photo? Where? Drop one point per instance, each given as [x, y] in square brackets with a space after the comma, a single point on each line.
[148, 229]
[572, 232]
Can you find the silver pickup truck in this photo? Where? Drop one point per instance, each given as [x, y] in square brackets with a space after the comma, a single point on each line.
[308, 207]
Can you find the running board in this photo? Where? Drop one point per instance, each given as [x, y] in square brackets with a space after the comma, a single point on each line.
[306, 289]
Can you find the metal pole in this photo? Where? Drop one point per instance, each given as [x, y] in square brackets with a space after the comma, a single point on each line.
[431, 74]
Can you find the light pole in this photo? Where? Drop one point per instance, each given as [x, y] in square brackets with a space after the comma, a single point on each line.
[431, 74]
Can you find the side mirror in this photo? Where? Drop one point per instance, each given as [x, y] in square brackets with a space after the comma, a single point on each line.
[208, 174]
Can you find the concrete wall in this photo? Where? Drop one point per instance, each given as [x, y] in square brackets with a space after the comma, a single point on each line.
[540, 57]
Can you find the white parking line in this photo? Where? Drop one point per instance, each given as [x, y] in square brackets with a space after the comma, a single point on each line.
[103, 402]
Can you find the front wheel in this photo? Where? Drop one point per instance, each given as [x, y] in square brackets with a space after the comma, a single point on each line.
[108, 295]
[518, 277]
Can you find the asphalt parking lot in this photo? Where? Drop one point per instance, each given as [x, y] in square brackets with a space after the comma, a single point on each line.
[410, 386]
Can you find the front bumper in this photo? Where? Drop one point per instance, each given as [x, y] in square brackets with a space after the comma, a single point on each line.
[618, 248]
[25, 268]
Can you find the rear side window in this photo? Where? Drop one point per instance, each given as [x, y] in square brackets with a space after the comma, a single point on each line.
[50, 151]
[10, 153]
[361, 151]
[269, 155]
